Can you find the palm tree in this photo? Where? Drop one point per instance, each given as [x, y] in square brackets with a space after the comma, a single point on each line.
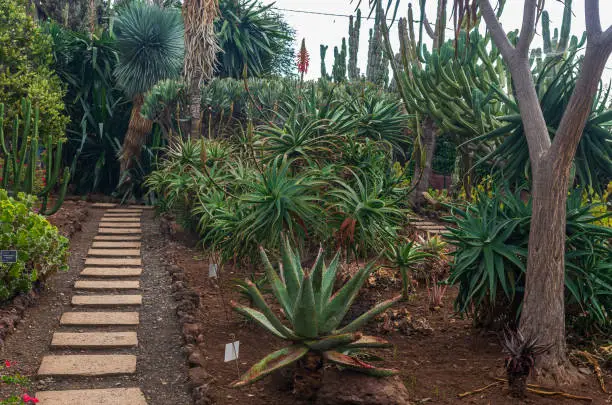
[151, 48]
[200, 51]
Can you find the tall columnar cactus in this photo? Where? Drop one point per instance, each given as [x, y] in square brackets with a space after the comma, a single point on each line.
[378, 65]
[557, 47]
[20, 158]
[339, 68]
[323, 50]
[354, 28]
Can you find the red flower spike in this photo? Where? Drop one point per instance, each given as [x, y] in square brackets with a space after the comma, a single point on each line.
[303, 59]
[7, 363]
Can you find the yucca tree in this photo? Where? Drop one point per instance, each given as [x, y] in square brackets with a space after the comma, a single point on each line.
[151, 48]
[314, 313]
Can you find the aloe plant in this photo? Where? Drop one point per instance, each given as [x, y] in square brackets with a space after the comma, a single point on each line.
[314, 314]
[404, 256]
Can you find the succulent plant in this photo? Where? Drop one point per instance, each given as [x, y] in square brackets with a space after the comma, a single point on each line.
[520, 360]
[404, 256]
[314, 313]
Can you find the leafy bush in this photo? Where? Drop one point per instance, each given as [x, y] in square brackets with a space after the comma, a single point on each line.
[41, 249]
[25, 56]
[491, 237]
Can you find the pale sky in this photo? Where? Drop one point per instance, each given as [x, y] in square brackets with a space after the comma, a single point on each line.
[329, 30]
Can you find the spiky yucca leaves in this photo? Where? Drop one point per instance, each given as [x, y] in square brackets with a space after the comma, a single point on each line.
[405, 256]
[520, 360]
[150, 46]
[314, 313]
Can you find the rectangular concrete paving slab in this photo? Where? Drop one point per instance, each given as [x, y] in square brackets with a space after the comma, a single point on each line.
[94, 340]
[124, 211]
[106, 219]
[119, 231]
[106, 300]
[119, 224]
[107, 285]
[111, 272]
[114, 252]
[100, 319]
[115, 245]
[103, 205]
[110, 396]
[117, 238]
[107, 261]
[122, 214]
[88, 365]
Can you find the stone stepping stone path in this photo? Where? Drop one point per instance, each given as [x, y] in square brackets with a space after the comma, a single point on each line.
[115, 396]
[112, 268]
[111, 272]
[427, 226]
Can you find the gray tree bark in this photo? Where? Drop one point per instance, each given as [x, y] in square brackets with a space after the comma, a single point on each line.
[543, 315]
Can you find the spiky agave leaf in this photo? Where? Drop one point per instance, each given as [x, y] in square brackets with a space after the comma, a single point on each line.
[257, 317]
[291, 266]
[357, 365]
[260, 303]
[305, 320]
[271, 363]
[366, 342]
[332, 342]
[278, 286]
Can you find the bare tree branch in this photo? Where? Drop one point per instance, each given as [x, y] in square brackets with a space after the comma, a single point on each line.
[591, 18]
[528, 27]
[497, 32]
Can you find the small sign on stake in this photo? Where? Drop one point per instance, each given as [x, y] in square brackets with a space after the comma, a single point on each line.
[8, 256]
[212, 270]
[231, 351]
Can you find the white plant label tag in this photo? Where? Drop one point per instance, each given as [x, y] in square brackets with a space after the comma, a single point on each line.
[212, 270]
[231, 351]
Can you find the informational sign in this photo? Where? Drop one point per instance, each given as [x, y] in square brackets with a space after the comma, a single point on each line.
[212, 270]
[8, 256]
[231, 351]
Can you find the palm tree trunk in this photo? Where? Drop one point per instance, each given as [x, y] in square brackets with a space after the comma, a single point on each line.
[138, 129]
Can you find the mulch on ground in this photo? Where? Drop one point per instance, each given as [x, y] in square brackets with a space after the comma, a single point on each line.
[436, 365]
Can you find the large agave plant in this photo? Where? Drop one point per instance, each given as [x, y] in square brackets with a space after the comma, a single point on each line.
[314, 314]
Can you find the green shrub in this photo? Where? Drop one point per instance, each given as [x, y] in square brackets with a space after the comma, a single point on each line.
[491, 238]
[41, 249]
[26, 57]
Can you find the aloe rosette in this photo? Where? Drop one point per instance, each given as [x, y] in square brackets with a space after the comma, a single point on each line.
[314, 313]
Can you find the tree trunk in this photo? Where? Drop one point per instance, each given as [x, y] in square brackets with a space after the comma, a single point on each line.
[138, 129]
[422, 170]
[543, 315]
[195, 109]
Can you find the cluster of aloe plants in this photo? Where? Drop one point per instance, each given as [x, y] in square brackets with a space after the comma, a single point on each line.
[318, 164]
[491, 236]
[314, 313]
[20, 158]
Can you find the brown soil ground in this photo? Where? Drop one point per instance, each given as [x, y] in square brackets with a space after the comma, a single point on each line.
[435, 366]
[161, 368]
